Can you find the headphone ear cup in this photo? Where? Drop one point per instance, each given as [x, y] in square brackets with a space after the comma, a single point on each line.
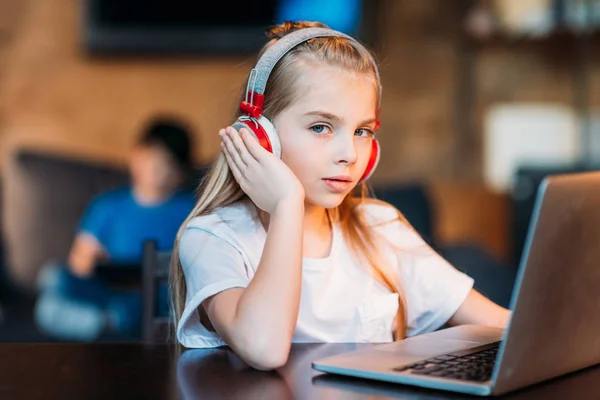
[271, 132]
[373, 161]
[264, 131]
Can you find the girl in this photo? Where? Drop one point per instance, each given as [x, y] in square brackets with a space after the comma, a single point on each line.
[281, 250]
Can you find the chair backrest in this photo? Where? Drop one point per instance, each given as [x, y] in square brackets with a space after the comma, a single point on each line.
[155, 274]
[43, 198]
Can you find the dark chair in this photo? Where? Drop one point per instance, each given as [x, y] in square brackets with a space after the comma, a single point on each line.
[156, 319]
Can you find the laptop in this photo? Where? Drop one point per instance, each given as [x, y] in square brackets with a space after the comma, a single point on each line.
[554, 328]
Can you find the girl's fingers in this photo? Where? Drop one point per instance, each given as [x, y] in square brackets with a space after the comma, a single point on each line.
[233, 152]
[237, 174]
[241, 147]
[252, 144]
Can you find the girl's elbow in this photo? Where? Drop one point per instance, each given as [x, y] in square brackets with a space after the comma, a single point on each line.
[270, 360]
[266, 355]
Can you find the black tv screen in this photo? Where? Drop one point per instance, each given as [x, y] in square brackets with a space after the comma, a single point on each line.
[188, 27]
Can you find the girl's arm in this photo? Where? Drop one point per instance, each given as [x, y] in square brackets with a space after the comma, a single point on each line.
[479, 310]
[258, 322]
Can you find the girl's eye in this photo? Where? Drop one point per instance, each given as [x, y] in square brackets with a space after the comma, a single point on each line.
[364, 132]
[320, 129]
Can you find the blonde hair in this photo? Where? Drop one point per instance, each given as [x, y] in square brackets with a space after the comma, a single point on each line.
[220, 189]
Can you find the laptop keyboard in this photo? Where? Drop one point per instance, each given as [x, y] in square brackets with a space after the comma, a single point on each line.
[474, 364]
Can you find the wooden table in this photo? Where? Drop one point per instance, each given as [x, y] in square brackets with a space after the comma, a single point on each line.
[137, 371]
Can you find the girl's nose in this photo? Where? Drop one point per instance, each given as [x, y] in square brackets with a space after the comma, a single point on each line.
[346, 150]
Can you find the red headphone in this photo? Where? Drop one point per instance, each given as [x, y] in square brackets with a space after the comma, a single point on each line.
[252, 106]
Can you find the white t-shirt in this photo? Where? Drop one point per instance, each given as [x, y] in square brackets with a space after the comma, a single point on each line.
[340, 301]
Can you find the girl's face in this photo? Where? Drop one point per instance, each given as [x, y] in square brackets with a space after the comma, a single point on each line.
[326, 133]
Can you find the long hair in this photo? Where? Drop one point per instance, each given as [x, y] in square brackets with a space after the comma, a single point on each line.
[220, 189]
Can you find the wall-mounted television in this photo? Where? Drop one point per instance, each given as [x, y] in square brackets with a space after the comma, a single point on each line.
[196, 27]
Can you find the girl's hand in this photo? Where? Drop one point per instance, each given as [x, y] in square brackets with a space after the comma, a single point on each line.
[262, 175]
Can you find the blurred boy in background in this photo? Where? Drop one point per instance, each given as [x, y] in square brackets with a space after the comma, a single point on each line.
[74, 304]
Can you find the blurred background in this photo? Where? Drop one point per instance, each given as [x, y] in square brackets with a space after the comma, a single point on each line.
[481, 101]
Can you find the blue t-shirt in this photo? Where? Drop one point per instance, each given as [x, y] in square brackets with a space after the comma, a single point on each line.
[122, 225]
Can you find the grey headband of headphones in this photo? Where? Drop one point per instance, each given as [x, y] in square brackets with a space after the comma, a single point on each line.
[259, 75]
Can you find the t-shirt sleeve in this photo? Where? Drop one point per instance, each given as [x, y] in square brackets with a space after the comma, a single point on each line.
[434, 289]
[210, 265]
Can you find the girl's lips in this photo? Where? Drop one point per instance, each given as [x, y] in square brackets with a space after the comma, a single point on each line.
[347, 178]
[337, 185]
